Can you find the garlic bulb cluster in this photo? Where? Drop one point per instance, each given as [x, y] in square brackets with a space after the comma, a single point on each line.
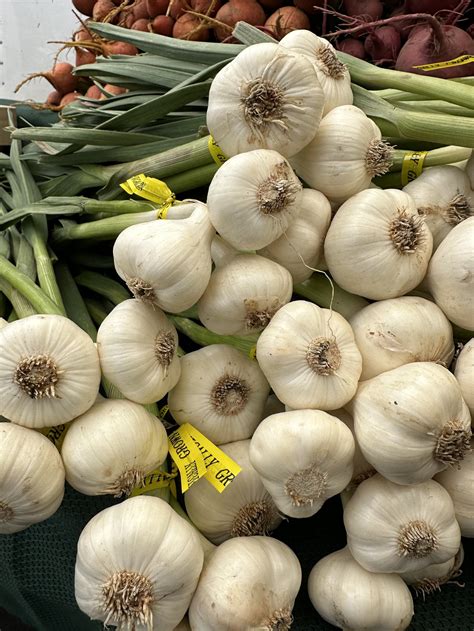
[304, 457]
[253, 197]
[429, 579]
[265, 98]
[244, 509]
[300, 248]
[110, 448]
[450, 277]
[443, 197]
[393, 528]
[377, 245]
[344, 156]
[333, 75]
[258, 579]
[464, 372]
[460, 485]
[167, 263]
[31, 478]
[137, 347]
[309, 357]
[221, 392]
[49, 371]
[397, 331]
[412, 422]
[350, 597]
[129, 568]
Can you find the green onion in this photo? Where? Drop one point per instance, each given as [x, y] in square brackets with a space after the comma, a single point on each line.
[76, 309]
[110, 289]
[318, 289]
[202, 336]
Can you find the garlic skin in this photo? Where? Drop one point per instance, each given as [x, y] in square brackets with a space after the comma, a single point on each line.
[464, 373]
[110, 448]
[300, 248]
[253, 198]
[49, 371]
[450, 276]
[167, 263]
[309, 357]
[391, 333]
[460, 484]
[429, 579]
[470, 169]
[412, 422]
[304, 457]
[244, 509]
[265, 98]
[244, 294]
[333, 75]
[31, 478]
[258, 579]
[129, 567]
[394, 528]
[344, 156]
[221, 392]
[443, 197]
[349, 597]
[377, 245]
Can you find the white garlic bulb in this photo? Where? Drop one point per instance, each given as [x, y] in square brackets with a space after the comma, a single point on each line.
[137, 347]
[450, 276]
[129, 567]
[275, 98]
[258, 579]
[397, 331]
[443, 197]
[31, 478]
[333, 75]
[244, 294]
[221, 392]
[344, 156]
[253, 198]
[459, 482]
[49, 371]
[300, 248]
[464, 373]
[377, 245]
[304, 457]
[244, 509]
[412, 422]
[429, 579]
[110, 448]
[350, 597]
[309, 357]
[470, 169]
[167, 263]
[394, 528]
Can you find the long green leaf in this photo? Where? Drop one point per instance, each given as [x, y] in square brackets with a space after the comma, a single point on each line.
[96, 137]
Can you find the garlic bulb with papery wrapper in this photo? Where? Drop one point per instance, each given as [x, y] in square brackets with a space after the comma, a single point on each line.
[464, 373]
[129, 568]
[431, 578]
[344, 156]
[249, 583]
[309, 357]
[394, 528]
[167, 263]
[49, 371]
[253, 198]
[304, 457]
[350, 597]
[377, 245]
[137, 347]
[110, 448]
[265, 98]
[245, 508]
[222, 391]
[31, 478]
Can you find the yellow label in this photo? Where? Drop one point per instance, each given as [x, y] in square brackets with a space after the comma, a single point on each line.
[219, 469]
[55, 434]
[459, 61]
[253, 352]
[412, 165]
[216, 152]
[187, 457]
[162, 412]
[155, 480]
[152, 189]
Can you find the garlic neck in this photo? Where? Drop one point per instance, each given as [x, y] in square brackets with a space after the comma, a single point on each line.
[454, 441]
[379, 157]
[323, 356]
[127, 600]
[221, 251]
[306, 486]
[254, 518]
[37, 376]
[406, 232]
[200, 218]
[417, 539]
[6, 513]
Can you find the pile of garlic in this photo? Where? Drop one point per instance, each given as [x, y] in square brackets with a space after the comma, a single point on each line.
[370, 406]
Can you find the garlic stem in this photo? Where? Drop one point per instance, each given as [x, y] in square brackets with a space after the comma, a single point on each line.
[204, 337]
[318, 290]
[25, 262]
[435, 157]
[73, 301]
[97, 310]
[104, 286]
[108, 228]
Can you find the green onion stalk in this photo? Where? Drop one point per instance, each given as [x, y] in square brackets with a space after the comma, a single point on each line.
[325, 293]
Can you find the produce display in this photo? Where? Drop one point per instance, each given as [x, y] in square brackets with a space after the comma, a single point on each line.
[236, 283]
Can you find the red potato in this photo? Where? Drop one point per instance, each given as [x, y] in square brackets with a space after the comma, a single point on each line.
[272, 5]
[115, 90]
[191, 28]
[84, 56]
[125, 19]
[383, 44]
[285, 20]
[163, 25]
[177, 8]
[60, 77]
[156, 7]
[238, 10]
[140, 11]
[119, 48]
[101, 9]
[93, 92]
[206, 7]
[54, 98]
[84, 6]
[429, 6]
[369, 10]
[352, 46]
[141, 25]
[69, 98]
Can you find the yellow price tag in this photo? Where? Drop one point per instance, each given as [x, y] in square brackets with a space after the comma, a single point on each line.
[55, 434]
[412, 166]
[157, 479]
[458, 61]
[152, 189]
[216, 152]
[253, 352]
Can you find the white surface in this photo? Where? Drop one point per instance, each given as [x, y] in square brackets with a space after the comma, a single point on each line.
[25, 28]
